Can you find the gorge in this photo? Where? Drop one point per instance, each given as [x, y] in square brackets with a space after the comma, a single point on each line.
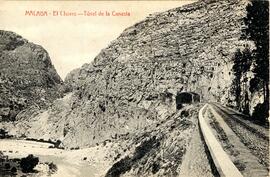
[126, 98]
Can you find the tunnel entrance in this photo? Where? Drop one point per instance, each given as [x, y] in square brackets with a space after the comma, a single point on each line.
[186, 98]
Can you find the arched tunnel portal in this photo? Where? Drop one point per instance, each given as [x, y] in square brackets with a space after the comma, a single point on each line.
[186, 98]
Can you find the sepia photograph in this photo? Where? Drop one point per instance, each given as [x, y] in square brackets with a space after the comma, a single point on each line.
[104, 88]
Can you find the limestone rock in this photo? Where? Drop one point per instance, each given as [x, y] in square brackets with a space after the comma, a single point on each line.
[133, 82]
[27, 76]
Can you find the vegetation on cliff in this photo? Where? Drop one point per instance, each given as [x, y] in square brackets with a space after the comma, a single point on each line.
[251, 66]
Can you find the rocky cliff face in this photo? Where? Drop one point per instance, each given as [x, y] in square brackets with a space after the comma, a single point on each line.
[133, 82]
[27, 76]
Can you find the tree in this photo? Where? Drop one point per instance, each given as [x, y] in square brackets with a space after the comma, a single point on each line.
[28, 164]
[242, 63]
[257, 30]
[236, 85]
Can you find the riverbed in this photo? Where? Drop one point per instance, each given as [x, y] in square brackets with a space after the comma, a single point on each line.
[88, 162]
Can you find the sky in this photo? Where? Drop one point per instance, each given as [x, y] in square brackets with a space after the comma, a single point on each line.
[72, 41]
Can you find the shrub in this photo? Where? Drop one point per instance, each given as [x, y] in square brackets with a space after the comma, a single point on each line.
[57, 143]
[3, 133]
[52, 167]
[13, 170]
[7, 166]
[155, 168]
[28, 163]
[184, 113]
[261, 114]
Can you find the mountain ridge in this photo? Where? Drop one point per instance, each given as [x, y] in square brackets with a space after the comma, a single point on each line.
[28, 77]
[133, 82]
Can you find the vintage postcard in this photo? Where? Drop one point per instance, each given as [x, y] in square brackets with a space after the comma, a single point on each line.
[134, 88]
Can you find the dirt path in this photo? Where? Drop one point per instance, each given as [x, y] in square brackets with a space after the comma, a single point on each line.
[196, 162]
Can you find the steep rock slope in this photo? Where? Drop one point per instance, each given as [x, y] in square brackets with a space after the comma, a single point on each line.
[133, 82]
[27, 76]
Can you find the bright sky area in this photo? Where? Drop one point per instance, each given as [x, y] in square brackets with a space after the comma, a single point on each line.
[73, 41]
